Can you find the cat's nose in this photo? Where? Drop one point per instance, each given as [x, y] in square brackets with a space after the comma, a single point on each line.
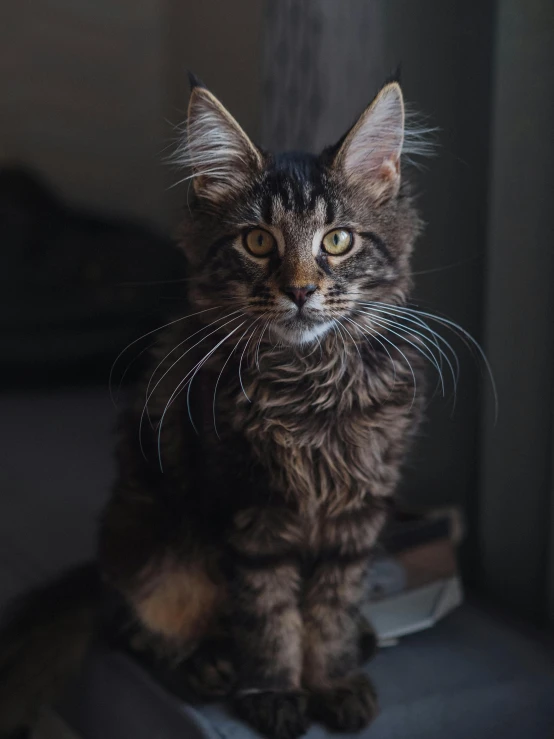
[299, 295]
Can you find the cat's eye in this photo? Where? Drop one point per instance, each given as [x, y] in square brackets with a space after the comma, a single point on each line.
[260, 243]
[337, 242]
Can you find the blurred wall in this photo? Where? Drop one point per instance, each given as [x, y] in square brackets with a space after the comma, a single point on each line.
[517, 475]
[81, 97]
[323, 61]
[447, 51]
[86, 88]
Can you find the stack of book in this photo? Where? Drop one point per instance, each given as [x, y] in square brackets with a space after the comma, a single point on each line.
[414, 579]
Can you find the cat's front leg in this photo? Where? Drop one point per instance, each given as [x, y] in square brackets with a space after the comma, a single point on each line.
[340, 696]
[264, 586]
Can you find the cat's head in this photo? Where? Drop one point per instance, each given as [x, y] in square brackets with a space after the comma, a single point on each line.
[295, 239]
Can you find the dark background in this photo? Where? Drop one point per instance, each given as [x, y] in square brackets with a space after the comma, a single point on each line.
[90, 93]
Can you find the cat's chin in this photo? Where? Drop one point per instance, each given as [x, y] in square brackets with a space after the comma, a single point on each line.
[300, 334]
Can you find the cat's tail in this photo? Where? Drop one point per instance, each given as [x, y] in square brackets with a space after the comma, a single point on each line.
[43, 639]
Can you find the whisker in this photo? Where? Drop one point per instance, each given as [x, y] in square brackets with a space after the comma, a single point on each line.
[148, 394]
[349, 334]
[219, 377]
[259, 342]
[144, 410]
[180, 386]
[336, 335]
[339, 329]
[339, 334]
[149, 333]
[435, 337]
[128, 367]
[460, 263]
[374, 335]
[271, 322]
[407, 362]
[385, 323]
[395, 310]
[199, 367]
[320, 348]
[242, 356]
[468, 340]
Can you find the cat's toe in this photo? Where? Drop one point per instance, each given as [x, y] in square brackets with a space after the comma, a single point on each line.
[278, 715]
[210, 673]
[347, 706]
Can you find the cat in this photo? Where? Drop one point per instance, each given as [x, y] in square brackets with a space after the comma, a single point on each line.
[259, 456]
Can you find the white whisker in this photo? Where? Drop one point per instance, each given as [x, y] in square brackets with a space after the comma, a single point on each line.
[149, 333]
[219, 376]
[435, 337]
[180, 386]
[468, 340]
[148, 394]
[374, 335]
[144, 410]
[199, 367]
[259, 342]
[395, 310]
[128, 367]
[349, 334]
[386, 323]
[338, 335]
[407, 362]
[242, 356]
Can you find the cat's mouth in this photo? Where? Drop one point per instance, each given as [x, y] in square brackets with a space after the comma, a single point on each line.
[302, 327]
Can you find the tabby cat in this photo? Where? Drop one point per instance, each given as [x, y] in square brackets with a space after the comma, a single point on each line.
[258, 460]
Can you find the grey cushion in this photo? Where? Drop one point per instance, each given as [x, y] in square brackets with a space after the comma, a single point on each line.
[470, 677]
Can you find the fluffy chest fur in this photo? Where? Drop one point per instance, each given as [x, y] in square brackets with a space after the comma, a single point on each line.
[330, 426]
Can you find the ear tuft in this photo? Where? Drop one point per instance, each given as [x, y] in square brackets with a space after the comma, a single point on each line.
[195, 81]
[369, 157]
[221, 156]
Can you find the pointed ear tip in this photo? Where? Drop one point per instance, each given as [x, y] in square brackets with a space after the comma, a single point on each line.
[392, 93]
[393, 85]
[195, 81]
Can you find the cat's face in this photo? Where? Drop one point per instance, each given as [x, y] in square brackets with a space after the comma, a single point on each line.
[295, 242]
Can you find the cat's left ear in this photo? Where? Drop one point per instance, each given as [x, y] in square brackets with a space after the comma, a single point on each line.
[220, 154]
[369, 156]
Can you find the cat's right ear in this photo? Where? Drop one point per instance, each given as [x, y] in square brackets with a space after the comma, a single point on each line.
[219, 153]
[368, 156]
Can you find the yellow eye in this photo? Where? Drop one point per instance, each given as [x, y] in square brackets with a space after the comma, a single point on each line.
[260, 243]
[337, 242]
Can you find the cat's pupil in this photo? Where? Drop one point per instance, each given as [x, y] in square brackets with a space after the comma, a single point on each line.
[260, 240]
[336, 239]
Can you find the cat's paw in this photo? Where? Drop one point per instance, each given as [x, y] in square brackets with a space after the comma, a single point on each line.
[347, 706]
[209, 672]
[278, 715]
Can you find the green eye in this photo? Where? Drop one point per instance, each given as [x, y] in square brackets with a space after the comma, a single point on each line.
[337, 242]
[260, 243]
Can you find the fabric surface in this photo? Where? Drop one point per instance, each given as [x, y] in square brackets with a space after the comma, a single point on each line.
[469, 677]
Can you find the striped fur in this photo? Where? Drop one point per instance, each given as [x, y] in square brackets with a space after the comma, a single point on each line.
[271, 435]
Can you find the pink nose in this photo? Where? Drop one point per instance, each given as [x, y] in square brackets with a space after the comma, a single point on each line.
[300, 295]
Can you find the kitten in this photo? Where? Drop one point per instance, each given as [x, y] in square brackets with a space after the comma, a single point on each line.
[276, 418]
[258, 460]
